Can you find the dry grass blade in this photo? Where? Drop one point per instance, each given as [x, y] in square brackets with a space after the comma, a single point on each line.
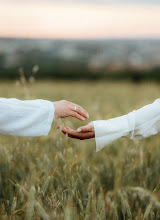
[41, 212]
[30, 204]
[45, 186]
[20, 187]
[147, 211]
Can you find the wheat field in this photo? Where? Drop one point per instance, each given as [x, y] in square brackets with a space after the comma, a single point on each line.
[55, 177]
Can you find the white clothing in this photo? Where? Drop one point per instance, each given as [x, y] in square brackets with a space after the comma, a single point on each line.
[136, 125]
[25, 118]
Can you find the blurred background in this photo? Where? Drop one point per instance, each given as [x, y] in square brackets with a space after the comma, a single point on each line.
[80, 39]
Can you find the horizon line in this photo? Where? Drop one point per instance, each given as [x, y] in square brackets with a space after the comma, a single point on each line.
[84, 38]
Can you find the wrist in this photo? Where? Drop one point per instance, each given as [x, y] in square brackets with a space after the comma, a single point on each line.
[55, 109]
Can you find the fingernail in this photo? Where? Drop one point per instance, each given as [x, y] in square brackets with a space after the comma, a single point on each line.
[87, 115]
[59, 128]
[79, 130]
[83, 118]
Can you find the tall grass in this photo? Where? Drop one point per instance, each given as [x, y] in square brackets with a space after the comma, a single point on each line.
[56, 177]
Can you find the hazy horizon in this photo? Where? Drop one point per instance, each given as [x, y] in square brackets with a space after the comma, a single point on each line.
[84, 39]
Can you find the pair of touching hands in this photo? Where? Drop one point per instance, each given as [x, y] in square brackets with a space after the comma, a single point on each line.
[65, 109]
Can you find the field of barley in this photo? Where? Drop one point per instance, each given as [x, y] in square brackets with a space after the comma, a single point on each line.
[56, 177]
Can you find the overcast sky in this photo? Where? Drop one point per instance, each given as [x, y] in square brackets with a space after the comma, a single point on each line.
[99, 2]
[80, 18]
[112, 1]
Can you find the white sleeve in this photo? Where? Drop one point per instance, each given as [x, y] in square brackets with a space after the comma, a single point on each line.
[25, 118]
[136, 125]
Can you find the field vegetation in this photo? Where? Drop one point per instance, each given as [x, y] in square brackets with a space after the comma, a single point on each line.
[55, 177]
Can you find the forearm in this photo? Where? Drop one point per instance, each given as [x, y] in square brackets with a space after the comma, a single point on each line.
[136, 125]
[25, 118]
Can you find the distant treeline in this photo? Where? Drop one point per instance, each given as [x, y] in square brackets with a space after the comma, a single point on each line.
[113, 60]
[62, 69]
[79, 71]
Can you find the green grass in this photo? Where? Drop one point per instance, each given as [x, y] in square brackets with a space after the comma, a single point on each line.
[56, 177]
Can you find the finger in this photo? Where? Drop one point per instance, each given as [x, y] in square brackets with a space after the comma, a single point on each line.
[76, 115]
[63, 129]
[82, 136]
[82, 112]
[59, 127]
[79, 110]
[86, 128]
[74, 134]
[67, 130]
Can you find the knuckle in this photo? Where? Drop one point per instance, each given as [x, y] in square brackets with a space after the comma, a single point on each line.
[73, 114]
[80, 108]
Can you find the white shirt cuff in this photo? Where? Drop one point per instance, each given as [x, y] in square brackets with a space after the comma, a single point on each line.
[107, 131]
[49, 121]
[136, 125]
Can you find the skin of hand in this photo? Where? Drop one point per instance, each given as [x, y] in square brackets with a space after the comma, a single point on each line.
[64, 109]
[82, 133]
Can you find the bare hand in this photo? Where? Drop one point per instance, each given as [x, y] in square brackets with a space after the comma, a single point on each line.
[82, 133]
[64, 109]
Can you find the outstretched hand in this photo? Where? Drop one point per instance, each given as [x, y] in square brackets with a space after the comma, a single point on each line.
[64, 109]
[82, 133]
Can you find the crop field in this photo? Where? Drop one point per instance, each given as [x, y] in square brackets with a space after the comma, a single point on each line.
[56, 177]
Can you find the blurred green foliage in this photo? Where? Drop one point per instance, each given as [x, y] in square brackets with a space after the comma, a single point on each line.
[135, 60]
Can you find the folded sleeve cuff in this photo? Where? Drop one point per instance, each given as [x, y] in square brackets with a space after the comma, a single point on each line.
[50, 118]
[107, 131]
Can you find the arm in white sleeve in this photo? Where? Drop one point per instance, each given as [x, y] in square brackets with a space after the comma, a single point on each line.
[136, 125]
[25, 118]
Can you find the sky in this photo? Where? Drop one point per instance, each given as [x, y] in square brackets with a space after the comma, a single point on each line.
[104, 2]
[80, 18]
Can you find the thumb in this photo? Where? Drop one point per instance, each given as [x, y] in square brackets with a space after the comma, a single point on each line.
[86, 128]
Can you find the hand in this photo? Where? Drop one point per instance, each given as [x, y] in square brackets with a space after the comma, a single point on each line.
[64, 109]
[84, 132]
